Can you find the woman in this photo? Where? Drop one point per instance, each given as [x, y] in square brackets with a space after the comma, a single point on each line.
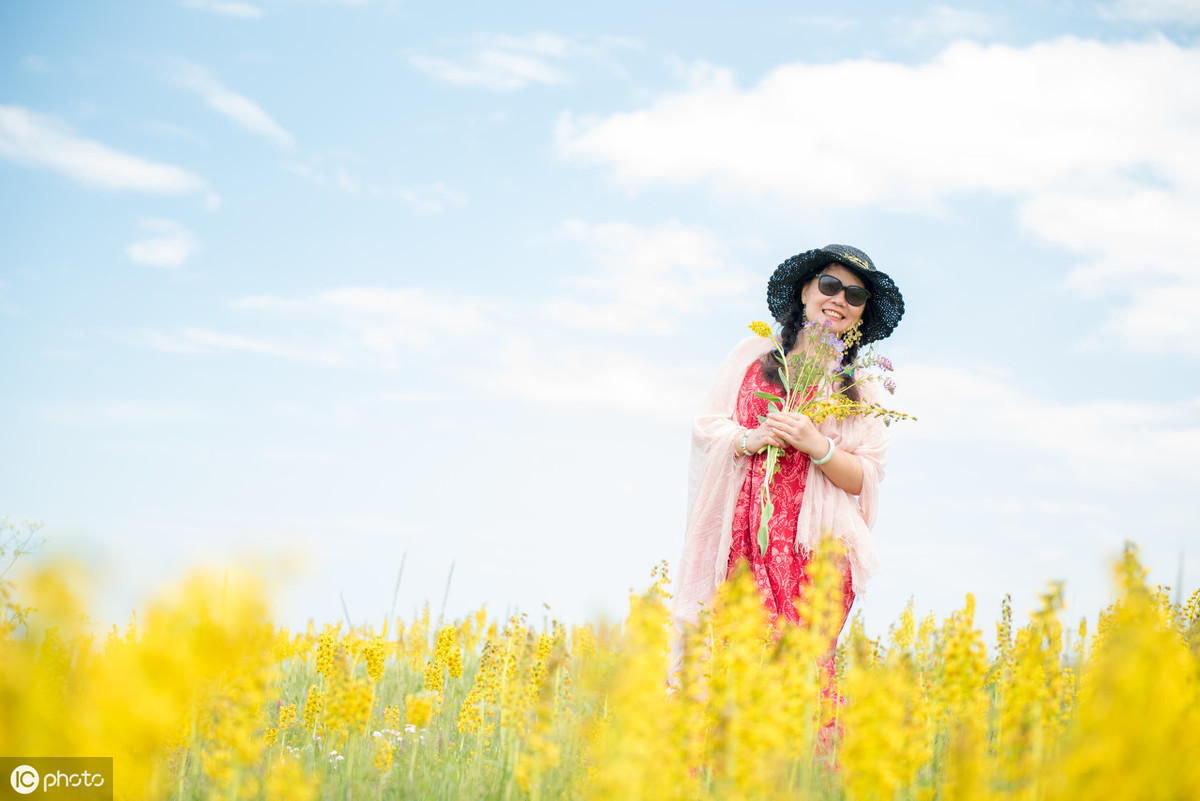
[829, 473]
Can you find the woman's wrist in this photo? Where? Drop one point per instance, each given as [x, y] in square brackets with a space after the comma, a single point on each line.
[828, 453]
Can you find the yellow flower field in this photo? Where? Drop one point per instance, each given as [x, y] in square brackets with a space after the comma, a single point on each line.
[203, 697]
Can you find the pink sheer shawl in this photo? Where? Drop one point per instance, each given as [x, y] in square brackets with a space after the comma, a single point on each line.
[716, 473]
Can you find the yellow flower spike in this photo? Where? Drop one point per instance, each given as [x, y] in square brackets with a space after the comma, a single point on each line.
[327, 645]
[418, 709]
[886, 743]
[904, 635]
[314, 703]
[539, 751]
[435, 676]
[637, 750]
[761, 328]
[384, 753]
[391, 717]
[1138, 707]
[480, 706]
[287, 716]
[287, 781]
[447, 651]
[476, 625]
[1189, 617]
[853, 334]
[375, 652]
[347, 706]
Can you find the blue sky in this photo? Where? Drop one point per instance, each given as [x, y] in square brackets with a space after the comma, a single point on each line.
[337, 285]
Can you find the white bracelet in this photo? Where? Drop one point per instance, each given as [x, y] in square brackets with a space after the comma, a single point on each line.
[827, 456]
[742, 446]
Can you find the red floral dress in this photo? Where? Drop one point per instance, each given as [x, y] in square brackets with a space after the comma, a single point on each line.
[781, 575]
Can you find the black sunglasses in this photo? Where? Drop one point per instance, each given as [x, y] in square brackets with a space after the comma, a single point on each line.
[830, 285]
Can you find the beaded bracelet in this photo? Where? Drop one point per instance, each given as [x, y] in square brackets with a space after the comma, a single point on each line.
[742, 446]
[827, 456]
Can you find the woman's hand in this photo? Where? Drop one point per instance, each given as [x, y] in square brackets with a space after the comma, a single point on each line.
[798, 431]
[761, 437]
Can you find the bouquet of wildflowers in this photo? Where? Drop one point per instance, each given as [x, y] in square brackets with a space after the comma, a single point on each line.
[811, 377]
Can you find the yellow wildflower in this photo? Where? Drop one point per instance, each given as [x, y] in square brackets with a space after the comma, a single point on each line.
[447, 652]
[435, 676]
[374, 652]
[326, 650]
[287, 716]
[391, 717]
[383, 753]
[312, 707]
[418, 709]
[761, 328]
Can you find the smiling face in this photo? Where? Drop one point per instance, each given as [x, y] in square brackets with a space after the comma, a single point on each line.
[833, 311]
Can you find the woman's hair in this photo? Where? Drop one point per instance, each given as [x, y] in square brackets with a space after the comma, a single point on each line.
[791, 323]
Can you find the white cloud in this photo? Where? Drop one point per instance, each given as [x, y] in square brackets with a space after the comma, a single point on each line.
[502, 62]
[157, 340]
[590, 376]
[306, 171]
[34, 140]
[1172, 307]
[1150, 229]
[203, 340]
[428, 199]
[491, 69]
[243, 111]
[1095, 142]
[386, 319]
[225, 9]
[857, 133]
[343, 181]
[382, 329]
[1185, 11]
[648, 277]
[363, 327]
[1103, 443]
[160, 128]
[944, 22]
[432, 198]
[1141, 246]
[378, 328]
[166, 244]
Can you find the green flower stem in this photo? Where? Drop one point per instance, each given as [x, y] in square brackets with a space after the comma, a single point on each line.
[767, 507]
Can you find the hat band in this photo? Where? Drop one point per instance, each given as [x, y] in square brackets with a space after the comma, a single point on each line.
[856, 260]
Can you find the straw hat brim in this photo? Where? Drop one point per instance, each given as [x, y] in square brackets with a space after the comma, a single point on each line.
[886, 304]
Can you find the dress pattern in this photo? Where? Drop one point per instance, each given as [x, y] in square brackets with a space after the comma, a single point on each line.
[781, 574]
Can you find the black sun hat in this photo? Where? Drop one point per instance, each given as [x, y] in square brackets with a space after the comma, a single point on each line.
[886, 304]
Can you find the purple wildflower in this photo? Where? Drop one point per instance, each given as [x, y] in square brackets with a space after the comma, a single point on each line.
[889, 385]
[884, 363]
[819, 333]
